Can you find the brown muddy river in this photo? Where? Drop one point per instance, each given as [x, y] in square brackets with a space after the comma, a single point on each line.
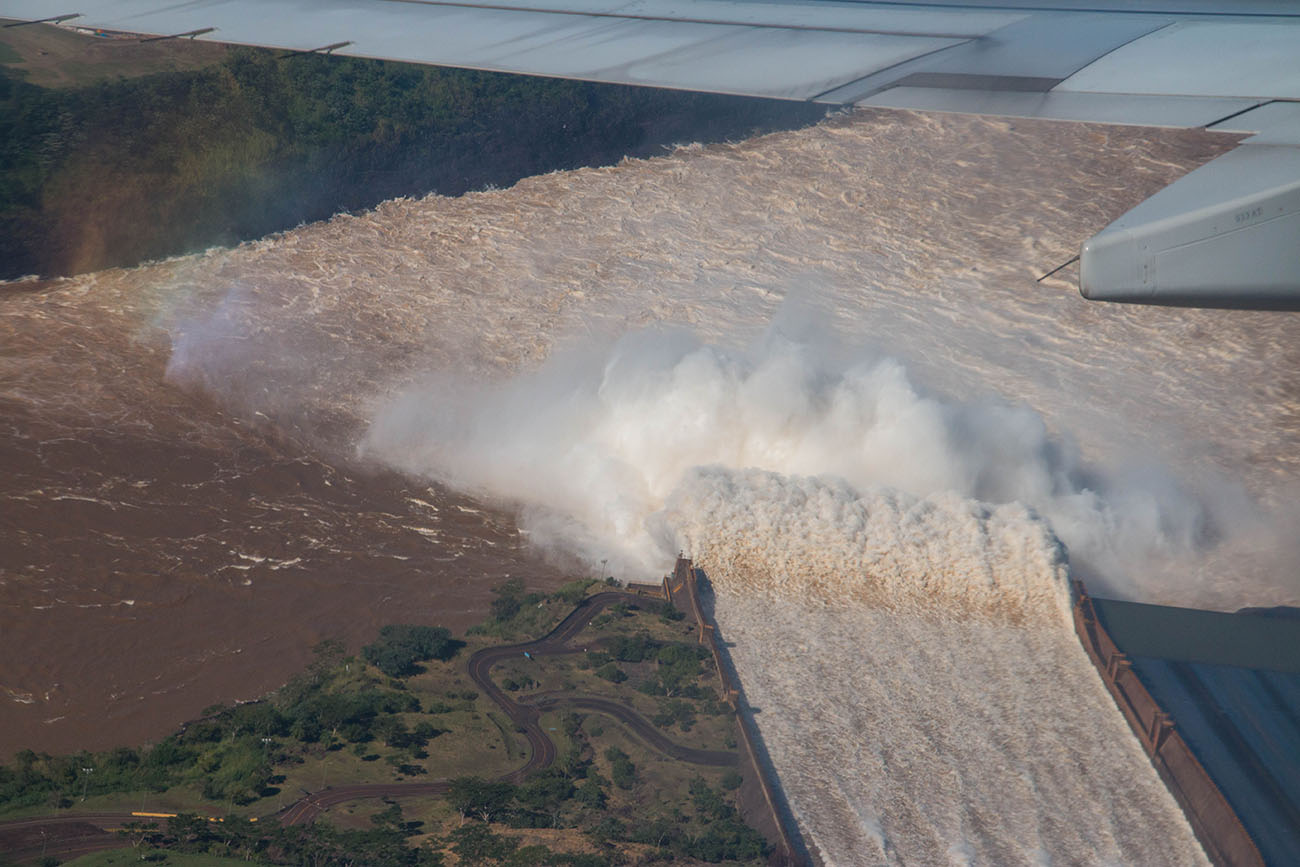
[158, 554]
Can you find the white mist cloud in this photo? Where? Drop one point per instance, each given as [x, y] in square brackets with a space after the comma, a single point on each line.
[210, 348]
[594, 444]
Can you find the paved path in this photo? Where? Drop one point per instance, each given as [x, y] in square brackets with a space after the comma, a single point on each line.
[639, 726]
[72, 834]
[306, 810]
[526, 714]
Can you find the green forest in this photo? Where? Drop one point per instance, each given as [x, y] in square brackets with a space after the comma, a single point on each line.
[123, 170]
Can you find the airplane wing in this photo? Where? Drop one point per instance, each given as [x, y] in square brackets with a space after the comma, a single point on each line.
[1225, 235]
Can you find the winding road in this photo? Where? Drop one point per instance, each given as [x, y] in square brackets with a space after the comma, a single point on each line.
[71, 834]
[639, 725]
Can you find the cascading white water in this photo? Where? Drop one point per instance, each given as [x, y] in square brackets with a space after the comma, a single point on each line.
[818, 540]
[917, 684]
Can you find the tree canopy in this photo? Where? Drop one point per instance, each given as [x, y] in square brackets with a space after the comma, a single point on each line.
[401, 646]
[483, 799]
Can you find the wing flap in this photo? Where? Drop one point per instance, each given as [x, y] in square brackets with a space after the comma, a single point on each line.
[1276, 123]
[1127, 108]
[1206, 58]
[1047, 47]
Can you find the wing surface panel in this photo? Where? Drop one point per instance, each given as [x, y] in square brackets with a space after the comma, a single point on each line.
[1235, 8]
[780, 62]
[848, 16]
[1220, 58]
[1045, 48]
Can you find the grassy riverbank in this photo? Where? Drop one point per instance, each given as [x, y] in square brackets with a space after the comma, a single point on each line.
[610, 797]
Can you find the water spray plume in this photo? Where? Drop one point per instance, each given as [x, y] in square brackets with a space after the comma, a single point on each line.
[593, 445]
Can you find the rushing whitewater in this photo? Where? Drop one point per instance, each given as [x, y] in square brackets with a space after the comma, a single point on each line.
[818, 540]
[921, 692]
[884, 499]
[913, 739]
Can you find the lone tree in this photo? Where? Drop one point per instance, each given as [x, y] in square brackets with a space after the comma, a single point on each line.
[142, 835]
[475, 796]
[401, 646]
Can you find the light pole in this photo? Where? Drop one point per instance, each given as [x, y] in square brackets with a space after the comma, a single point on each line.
[266, 743]
[85, 786]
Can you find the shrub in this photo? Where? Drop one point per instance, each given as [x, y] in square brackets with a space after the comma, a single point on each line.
[505, 608]
[401, 646]
[611, 672]
[635, 648]
[483, 799]
[621, 769]
[573, 592]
